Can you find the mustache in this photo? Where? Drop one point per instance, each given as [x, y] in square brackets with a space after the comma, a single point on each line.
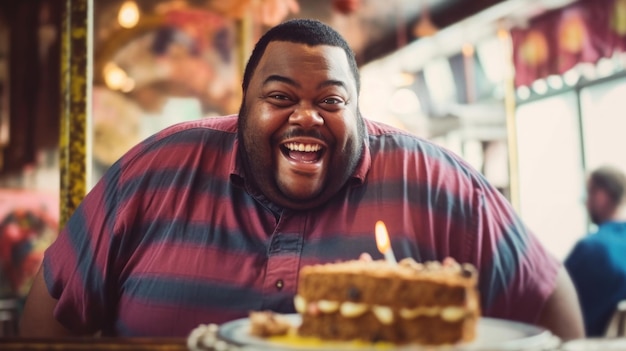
[297, 132]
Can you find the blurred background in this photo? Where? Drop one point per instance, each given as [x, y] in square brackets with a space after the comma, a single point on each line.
[530, 92]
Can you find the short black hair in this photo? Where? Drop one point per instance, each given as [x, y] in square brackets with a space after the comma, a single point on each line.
[300, 31]
[612, 181]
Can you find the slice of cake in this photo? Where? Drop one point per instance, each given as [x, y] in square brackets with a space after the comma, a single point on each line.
[268, 323]
[409, 302]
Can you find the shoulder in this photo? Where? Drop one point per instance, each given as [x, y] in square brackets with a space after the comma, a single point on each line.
[384, 138]
[590, 247]
[224, 124]
[612, 230]
[593, 242]
[377, 129]
[388, 143]
[209, 133]
[608, 238]
[381, 135]
[204, 145]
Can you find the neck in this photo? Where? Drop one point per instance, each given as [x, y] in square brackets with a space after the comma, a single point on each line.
[619, 214]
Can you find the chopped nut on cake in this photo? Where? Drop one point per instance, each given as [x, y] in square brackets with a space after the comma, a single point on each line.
[268, 323]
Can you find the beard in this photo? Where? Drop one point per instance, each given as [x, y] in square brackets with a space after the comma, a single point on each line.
[257, 155]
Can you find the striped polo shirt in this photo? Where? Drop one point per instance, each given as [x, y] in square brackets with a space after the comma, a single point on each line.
[173, 235]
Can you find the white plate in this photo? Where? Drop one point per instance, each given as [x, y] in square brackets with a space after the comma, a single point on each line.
[492, 334]
[595, 344]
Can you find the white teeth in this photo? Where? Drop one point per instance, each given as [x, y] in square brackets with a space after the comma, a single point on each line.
[303, 147]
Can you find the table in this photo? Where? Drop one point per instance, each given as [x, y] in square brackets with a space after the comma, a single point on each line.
[96, 344]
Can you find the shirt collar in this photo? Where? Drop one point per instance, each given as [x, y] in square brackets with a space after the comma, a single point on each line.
[363, 167]
[236, 165]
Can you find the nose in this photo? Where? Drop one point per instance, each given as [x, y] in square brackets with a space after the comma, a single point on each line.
[306, 116]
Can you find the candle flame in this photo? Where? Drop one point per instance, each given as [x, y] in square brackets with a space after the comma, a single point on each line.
[382, 238]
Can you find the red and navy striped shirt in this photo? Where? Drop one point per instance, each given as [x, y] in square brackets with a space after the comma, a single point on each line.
[174, 236]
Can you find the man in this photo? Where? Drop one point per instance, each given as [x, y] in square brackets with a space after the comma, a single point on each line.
[597, 264]
[208, 220]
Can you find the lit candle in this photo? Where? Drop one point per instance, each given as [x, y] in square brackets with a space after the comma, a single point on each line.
[383, 243]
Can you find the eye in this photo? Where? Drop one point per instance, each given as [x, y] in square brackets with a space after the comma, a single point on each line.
[332, 101]
[279, 99]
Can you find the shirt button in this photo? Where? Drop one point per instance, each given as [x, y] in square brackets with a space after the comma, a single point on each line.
[280, 284]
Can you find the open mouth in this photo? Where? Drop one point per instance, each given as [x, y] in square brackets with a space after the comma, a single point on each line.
[303, 152]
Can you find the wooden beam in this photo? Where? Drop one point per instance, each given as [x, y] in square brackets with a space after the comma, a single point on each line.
[75, 98]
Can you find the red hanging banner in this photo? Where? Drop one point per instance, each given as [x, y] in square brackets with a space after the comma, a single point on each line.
[555, 42]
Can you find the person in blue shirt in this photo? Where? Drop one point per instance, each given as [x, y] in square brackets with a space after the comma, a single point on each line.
[597, 264]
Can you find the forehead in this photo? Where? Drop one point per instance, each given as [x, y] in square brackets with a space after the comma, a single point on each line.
[296, 59]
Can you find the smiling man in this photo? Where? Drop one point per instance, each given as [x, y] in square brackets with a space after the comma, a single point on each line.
[210, 219]
[306, 118]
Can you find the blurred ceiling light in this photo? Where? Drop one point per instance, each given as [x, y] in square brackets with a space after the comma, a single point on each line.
[540, 86]
[114, 77]
[403, 79]
[424, 26]
[128, 86]
[571, 77]
[503, 34]
[467, 50]
[404, 101]
[523, 92]
[555, 82]
[588, 71]
[605, 67]
[128, 16]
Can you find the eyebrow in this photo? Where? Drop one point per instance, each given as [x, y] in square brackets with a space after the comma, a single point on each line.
[332, 82]
[282, 79]
[277, 78]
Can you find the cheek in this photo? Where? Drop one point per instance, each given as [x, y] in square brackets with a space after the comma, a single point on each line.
[344, 128]
[605, 201]
[267, 120]
[598, 201]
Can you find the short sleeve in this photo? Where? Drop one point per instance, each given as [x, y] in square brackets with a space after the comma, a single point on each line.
[584, 252]
[588, 265]
[76, 264]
